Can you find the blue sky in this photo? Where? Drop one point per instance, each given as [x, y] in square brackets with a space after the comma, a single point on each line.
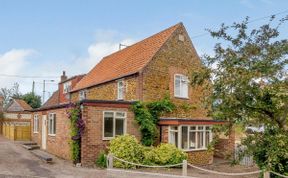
[43, 38]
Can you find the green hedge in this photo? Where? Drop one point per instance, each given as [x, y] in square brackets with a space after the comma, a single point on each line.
[128, 148]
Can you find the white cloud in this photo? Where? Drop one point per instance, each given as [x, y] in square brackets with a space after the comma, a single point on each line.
[14, 62]
[106, 43]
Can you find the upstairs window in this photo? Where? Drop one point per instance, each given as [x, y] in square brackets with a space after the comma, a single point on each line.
[67, 87]
[82, 94]
[181, 83]
[52, 124]
[120, 90]
[36, 124]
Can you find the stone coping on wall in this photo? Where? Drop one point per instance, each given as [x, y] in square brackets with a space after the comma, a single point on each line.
[188, 121]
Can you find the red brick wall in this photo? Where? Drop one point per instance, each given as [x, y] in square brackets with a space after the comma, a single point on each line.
[58, 144]
[225, 147]
[92, 139]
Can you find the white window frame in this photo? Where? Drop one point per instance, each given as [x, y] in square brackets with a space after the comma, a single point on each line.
[120, 89]
[205, 147]
[183, 79]
[67, 87]
[114, 123]
[82, 94]
[52, 131]
[36, 123]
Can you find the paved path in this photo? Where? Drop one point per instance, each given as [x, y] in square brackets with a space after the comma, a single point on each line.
[17, 162]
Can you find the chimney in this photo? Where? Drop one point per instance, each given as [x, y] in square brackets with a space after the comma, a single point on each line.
[63, 76]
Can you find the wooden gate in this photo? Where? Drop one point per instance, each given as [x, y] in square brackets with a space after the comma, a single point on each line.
[17, 131]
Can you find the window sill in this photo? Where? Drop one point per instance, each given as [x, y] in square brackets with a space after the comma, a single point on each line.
[107, 138]
[183, 98]
[35, 132]
[52, 135]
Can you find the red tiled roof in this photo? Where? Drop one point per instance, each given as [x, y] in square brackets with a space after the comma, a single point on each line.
[127, 61]
[52, 101]
[23, 104]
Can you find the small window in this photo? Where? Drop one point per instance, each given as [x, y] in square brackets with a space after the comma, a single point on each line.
[36, 124]
[181, 86]
[114, 124]
[82, 95]
[67, 87]
[120, 90]
[52, 124]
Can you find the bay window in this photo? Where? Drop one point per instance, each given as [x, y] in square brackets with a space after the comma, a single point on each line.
[190, 137]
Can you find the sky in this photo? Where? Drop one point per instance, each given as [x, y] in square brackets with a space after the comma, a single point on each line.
[40, 39]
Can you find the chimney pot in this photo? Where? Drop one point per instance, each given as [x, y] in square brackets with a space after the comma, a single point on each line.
[63, 76]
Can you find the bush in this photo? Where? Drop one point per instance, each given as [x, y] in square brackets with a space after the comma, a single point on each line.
[164, 154]
[128, 148]
[101, 160]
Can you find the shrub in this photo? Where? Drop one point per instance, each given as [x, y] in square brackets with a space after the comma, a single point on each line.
[102, 160]
[164, 154]
[128, 148]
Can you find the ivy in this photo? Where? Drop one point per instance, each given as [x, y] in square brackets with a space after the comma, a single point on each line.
[77, 127]
[147, 116]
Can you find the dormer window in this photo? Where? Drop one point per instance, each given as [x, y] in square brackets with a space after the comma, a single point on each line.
[67, 87]
[120, 90]
[181, 83]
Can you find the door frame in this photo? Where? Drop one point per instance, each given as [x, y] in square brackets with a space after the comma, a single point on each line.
[44, 132]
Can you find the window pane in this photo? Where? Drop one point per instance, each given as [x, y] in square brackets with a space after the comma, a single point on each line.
[119, 127]
[108, 114]
[207, 140]
[208, 128]
[184, 144]
[200, 139]
[200, 128]
[54, 124]
[175, 128]
[120, 114]
[192, 140]
[193, 128]
[108, 126]
[174, 138]
[184, 89]
[177, 86]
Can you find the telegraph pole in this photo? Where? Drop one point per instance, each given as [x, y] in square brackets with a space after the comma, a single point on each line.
[33, 87]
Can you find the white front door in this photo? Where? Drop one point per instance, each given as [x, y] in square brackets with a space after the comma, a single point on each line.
[44, 131]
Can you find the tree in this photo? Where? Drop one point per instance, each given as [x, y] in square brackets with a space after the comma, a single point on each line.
[33, 100]
[9, 93]
[250, 83]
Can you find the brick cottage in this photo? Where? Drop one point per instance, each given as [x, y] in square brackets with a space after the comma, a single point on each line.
[149, 70]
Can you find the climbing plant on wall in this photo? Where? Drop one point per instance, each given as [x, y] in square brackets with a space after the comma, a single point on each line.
[147, 116]
[77, 127]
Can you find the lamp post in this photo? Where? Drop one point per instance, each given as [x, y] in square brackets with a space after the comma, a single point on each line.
[44, 88]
